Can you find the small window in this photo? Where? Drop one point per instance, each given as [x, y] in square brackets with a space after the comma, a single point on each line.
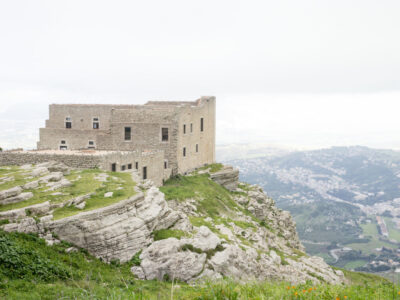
[136, 165]
[123, 168]
[144, 173]
[184, 128]
[114, 167]
[165, 164]
[201, 124]
[197, 147]
[68, 123]
[127, 133]
[191, 127]
[96, 124]
[63, 147]
[129, 166]
[63, 142]
[164, 134]
[184, 151]
[91, 145]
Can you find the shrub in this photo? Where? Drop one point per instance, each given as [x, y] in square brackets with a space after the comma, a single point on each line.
[135, 260]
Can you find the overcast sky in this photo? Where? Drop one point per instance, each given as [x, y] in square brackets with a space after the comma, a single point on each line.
[299, 73]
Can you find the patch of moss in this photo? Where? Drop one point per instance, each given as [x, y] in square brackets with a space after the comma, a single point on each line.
[163, 234]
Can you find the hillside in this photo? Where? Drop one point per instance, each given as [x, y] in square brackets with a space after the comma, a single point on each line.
[203, 225]
[30, 269]
[335, 196]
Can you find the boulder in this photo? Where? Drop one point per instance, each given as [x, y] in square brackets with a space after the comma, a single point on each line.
[39, 171]
[228, 177]
[10, 192]
[31, 185]
[19, 198]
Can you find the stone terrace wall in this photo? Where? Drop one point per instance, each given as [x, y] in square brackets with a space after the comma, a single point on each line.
[74, 161]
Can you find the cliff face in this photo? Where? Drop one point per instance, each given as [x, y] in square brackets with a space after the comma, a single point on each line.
[191, 228]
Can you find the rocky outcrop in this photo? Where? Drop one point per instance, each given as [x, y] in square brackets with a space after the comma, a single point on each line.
[228, 177]
[250, 239]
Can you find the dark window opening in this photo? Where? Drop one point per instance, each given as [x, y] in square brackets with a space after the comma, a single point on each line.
[202, 124]
[184, 128]
[123, 168]
[91, 143]
[63, 142]
[96, 125]
[144, 173]
[127, 133]
[191, 127]
[63, 147]
[114, 167]
[129, 166]
[164, 134]
[197, 147]
[68, 125]
[136, 165]
[165, 165]
[184, 151]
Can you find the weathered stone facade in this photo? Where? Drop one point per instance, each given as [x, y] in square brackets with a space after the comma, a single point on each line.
[189, 130]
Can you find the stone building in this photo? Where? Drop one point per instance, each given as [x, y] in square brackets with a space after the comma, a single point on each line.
[183, 131]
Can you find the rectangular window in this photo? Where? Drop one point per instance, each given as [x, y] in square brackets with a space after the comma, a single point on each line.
[165, 164]
[197, 147]
[184, 151]
[136, 165]
[144, 173]
[63, 142]
[191, 127]
[129, 166]
[91, 143]
[184, 128]
[68, 123]
[164, 134]
[123, 168]
[114, 167]
[127, 133]
[63, 148]
[202, 124]
[96, 124]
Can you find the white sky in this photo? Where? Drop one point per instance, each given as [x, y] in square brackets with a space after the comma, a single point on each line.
[299, 73]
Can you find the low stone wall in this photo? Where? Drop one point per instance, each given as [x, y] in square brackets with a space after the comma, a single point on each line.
[124, 160]
[73, 161]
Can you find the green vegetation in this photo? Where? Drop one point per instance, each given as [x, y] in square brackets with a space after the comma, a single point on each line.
[213, 168]
[163, 234]
[82, 183]
[212, 199]
[31, 270]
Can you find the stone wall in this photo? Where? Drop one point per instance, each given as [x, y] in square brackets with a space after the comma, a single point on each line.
[28, 157]
[154, 161]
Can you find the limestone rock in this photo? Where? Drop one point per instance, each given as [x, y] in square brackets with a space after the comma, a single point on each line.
[39, 171]
[31, 185]
[227, 177]
[108, 195]
[10, 192]
[165, 258]
[19, 198]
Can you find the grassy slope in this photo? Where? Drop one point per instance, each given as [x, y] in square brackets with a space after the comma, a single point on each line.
[85, 184]
[31, 270]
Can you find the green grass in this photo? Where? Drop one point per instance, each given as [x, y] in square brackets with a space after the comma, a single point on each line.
[355, 264]
[31, 270]
[370, 230]
[163, 234]
[213, 168]
[98, 200]
[212, 199]
[394, 232]
[82, 185]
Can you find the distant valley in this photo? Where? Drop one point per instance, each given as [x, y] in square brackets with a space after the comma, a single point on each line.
[345, 200]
